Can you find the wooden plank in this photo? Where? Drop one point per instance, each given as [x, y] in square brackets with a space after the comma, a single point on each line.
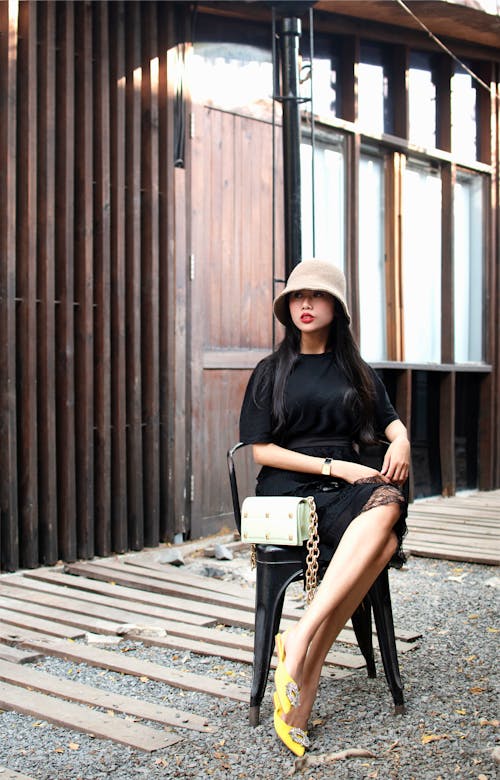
[195, 592]
[9, 774]
[429, 550]
[237, 655]
[74, 607]
[46, 336]
[121, 592]
[86, 694]
[82, 622]
[102, 283]
[118, 437]
[64, 253]
[135, 474]
[149, 274]
[76, 718]
[26, 315]
[95, 593]
[14, 656]
[234, 617]
[118, 662]
[10, 615]
[84, 281]
[9, 537]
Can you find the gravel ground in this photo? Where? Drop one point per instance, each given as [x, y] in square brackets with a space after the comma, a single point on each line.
[448, 732]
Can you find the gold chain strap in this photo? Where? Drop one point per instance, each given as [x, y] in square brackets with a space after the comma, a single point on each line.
[312, 551]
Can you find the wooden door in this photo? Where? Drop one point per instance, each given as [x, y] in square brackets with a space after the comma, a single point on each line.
[231, 293]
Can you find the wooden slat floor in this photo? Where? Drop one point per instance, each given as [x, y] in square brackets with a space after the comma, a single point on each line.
[51, 611]
[460, 528]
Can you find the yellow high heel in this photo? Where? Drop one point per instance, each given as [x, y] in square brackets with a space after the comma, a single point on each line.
[294, 738]
[287, 689]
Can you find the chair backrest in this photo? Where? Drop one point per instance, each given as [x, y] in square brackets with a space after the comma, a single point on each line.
[233, 483]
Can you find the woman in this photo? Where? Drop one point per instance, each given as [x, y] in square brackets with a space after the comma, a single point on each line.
[306, 410]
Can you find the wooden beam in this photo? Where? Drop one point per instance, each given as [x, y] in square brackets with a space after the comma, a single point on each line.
[84, 282]
[119, 530]
[135, 472]
[46, 326]
[64, 251]
[9, 539]
[150, 272]
[26, 340]
[102, 278]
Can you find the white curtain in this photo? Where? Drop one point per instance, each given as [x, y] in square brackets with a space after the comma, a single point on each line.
[372, 298]
[468, 269]
[329, 207]
[421, 271]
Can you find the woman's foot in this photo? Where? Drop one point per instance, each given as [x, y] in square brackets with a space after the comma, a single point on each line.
[294, 738]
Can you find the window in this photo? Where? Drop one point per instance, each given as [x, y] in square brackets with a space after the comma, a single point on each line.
[325, 80]
[421, 264]
[468, 268]
[463, 115]
[323, 235]
[234, 77]
[372, 298]
[373, 91]
[421, 100]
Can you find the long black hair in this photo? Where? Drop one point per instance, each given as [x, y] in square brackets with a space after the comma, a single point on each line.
[358, 400]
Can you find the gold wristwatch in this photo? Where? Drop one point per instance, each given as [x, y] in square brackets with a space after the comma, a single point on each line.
[325, 469]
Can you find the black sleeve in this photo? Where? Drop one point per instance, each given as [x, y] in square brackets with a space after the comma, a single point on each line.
[385, 413]
[255, 416]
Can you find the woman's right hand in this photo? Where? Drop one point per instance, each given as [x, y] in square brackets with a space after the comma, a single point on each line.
[351, 472]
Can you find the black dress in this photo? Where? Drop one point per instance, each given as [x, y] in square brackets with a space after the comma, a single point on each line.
[318, 424]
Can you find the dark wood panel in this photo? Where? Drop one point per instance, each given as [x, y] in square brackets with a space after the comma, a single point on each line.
[26, 205]
[64, 248]
[149, 273]
[9, 540]
[102, 280]
[84, 281]
[166, 297]
[45, 250]
[133, 277]
[119, 529]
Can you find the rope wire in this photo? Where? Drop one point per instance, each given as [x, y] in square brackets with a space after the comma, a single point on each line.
[444, 47]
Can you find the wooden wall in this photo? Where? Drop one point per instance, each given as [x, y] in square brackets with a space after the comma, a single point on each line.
[89, 235]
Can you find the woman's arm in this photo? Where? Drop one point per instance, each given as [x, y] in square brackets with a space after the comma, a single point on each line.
[280, 458]
[396, 463]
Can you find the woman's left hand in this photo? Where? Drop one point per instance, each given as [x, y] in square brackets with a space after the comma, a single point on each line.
[396, 465]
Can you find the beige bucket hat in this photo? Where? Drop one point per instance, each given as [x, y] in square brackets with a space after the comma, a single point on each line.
[312, 275]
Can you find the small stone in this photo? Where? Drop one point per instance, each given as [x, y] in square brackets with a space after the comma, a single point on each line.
[172, 556]
[496, 755]
[223, 553]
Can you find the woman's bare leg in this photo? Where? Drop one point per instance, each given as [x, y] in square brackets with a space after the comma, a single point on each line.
[364, 550]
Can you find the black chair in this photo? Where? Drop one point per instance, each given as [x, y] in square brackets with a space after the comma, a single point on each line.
[277, 568]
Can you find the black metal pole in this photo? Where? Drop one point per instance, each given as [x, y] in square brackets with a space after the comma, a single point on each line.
[289, 46]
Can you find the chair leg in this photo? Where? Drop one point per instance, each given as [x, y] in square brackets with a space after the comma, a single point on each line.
[362, 624]
[380, 598]
[271, 584]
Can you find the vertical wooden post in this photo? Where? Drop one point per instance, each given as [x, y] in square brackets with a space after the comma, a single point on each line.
[47, 473]
[102, 282]
[26, 341]
[149, 272]
[133, 276]
[84, 278]
[9, 541]
[119, 530]
[65, 387]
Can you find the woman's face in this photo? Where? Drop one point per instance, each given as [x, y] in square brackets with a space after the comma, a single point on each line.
[311, 310]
